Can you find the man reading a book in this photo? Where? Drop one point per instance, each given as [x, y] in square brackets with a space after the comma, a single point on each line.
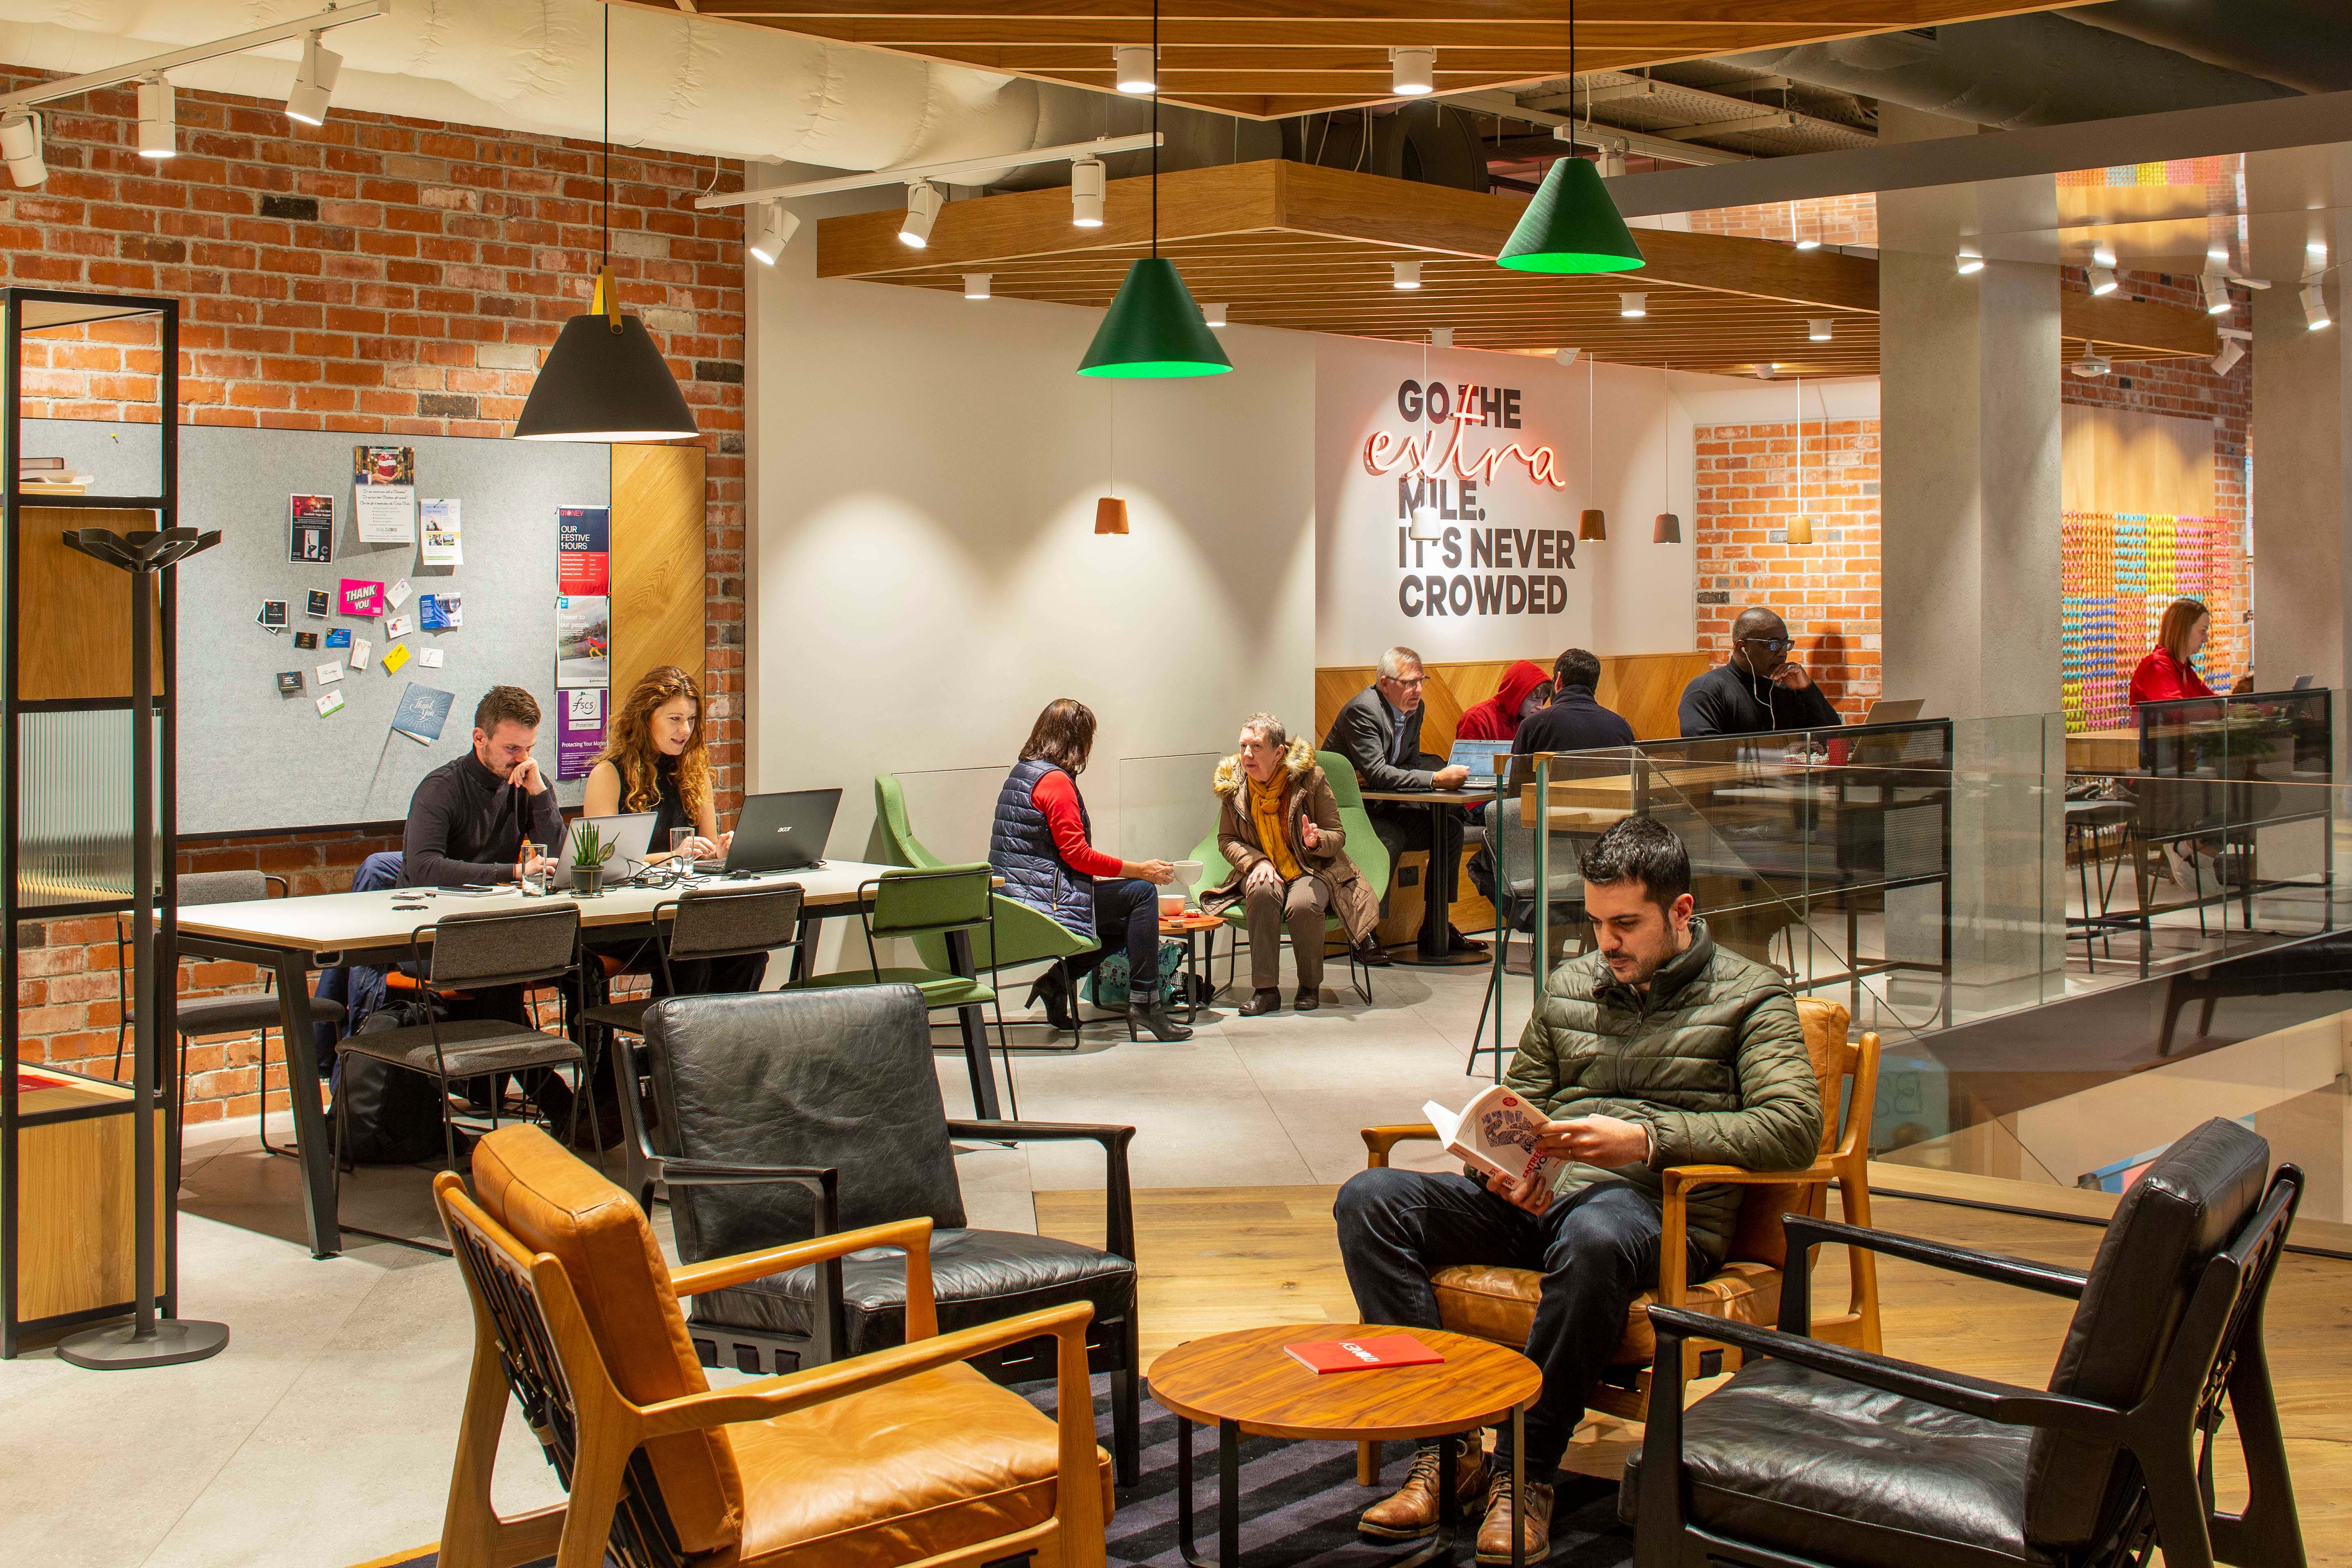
[1656, 1048]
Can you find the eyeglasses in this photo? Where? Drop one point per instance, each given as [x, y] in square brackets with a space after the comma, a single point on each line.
[1769, 645]
[1416, 682]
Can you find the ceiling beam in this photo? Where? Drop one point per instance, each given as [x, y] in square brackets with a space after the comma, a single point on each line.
[1636, 142]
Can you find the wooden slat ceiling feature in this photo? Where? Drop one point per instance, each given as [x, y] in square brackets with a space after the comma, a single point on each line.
[1311, 249]
[1265, 58]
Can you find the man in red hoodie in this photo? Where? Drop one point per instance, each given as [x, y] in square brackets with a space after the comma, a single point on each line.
[1520, 693]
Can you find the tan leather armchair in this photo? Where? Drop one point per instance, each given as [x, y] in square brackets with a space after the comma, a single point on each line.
[900, 1457]
[1499, 1304]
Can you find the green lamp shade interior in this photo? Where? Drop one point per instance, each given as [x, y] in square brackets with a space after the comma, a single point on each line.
[1153, 330]
[1572, 226]
[597, 384]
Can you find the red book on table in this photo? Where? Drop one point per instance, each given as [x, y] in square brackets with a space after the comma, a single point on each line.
[1376, 1353]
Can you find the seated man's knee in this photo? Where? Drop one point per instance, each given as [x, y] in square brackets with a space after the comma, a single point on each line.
[1367, 1197]
[1599, 1233]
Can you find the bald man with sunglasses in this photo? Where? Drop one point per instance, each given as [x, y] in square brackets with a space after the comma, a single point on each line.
[1759, 688]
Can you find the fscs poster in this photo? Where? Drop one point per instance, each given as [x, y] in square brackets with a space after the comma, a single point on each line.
[584, 539]
[580, 732]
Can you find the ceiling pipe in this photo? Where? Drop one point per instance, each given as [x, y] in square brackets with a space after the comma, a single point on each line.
[2292, 42]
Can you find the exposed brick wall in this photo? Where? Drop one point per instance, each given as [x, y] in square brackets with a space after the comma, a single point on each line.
[1832, 220]
[1748, 485]
[375, 275]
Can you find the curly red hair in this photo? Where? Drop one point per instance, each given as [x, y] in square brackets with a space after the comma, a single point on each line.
[629, 744]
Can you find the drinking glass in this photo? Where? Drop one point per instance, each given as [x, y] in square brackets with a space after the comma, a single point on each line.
[528, 882]
[680, 862]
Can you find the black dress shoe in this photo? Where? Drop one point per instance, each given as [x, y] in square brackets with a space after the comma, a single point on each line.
[1372, 955]
[1307, 1000]
[1456, 943]
[1261, 1003]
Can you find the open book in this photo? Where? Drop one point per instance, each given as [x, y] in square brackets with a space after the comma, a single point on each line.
[1496, 1132]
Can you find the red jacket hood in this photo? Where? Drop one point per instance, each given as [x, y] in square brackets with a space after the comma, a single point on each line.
[1497, 718]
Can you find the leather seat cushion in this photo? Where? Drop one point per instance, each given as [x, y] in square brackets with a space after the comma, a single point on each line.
[977, 1277]
[1831, 1471]
[1494, 1303]
[932, 1463]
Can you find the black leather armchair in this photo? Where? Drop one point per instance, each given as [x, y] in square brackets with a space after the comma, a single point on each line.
[1824, 1456]
[783, 1116]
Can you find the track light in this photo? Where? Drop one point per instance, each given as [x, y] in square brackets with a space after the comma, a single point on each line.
[314, 83]
[2091, 366]
[1087, 183]
[1413, 72]
[1768, 372]
[1968, 263]
[2234, 349]
[1441, 337]
[158, 118]
[2216, 294]
[975, 285]
[776, 230]
[1408, 274]
[1818, 329]
[1214, 314]
[2315, 307]
[2102, 281]
[1133, 67]
[2102, 255]
[922, 211]
[1566, 356]
[20, 146]
[1633, 307]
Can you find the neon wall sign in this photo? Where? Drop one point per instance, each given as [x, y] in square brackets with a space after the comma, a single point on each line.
[1438, 453]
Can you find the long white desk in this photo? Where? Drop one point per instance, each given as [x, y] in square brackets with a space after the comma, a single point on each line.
[291, 937]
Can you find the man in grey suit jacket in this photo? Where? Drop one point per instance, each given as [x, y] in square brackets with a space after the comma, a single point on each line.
[1378, 732]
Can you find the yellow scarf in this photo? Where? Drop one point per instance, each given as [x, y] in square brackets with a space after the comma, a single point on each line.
[1266, 802]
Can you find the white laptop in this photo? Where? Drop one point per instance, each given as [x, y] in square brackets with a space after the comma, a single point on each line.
[625, 838]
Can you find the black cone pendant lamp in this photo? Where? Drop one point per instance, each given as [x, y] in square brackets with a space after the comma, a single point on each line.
[1153, 330]
[1572, 226]
[605, 379]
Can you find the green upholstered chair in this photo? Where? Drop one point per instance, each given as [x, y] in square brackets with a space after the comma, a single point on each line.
[1018, 935]
[1364, 847]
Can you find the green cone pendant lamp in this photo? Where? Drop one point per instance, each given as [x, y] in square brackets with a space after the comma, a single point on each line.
[1154, 330]
[1572, 226]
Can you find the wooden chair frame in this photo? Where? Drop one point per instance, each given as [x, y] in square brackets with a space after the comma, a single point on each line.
[594, 1441]
[1846, 1166]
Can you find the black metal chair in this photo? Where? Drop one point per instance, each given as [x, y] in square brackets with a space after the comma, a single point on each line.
[474, 951]
[1823, 1456]
[703, 925]
[825, 1106]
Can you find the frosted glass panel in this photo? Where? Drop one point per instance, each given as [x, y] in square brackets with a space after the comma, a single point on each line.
[74, 806]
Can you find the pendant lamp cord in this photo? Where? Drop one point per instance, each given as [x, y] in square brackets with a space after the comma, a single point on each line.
[1572, 81]
[1155, 129]
[607, 63]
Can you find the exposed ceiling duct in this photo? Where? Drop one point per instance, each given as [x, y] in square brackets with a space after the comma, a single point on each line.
[682, 83]
[2018, 71]
[2294, 42]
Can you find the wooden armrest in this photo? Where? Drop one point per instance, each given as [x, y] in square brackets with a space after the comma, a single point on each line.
[793, 1390]
[1734, 1175]
[1379, 1141]
[914, 1235]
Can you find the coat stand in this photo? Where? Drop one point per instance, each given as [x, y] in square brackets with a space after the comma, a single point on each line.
[149, 1341]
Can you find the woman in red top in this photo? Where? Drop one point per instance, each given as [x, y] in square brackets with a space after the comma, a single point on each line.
[2164, 675]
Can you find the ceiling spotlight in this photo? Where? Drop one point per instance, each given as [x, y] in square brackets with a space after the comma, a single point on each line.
[314, 83]
[1408, 274]
[1566, 356]
[1612, 162]
[1813, 244]
[1132, 64]
[1968, 263]
[975, 285]
[2315, 307]
[158, 118]
[2091, 366]
[20, 146]
[2218, 255]
[1087, 183]
[1633, 307]
[1768, 372]
[2102, 255]
[922, 211]
[1214, 314]
[2318, 251]
[1818, 329]
[1441, 337]
[2234, 349]
[2216, 294]
[1413, 72]
[776, 230]
[2102, 281]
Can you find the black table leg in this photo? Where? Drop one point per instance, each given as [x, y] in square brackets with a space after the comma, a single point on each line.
[309, 1111]
[974, 1023]
[1229, 1496]
[1434, 947]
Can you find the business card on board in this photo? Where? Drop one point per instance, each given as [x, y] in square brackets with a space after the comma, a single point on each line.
[360, 647]
[306, 639]
[273, 614]
[397, 595]
[289, 682]
[429, 659]
[396, 627]
[338, 636]
[330, 703]
[396, 656]
[317, 603]
[331, 672]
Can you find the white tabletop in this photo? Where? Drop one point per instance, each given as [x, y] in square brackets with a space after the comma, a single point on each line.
[332, 922]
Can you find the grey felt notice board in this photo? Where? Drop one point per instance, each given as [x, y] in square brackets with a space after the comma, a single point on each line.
[254, 759]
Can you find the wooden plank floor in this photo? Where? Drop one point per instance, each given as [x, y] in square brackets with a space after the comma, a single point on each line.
[1216, 1258]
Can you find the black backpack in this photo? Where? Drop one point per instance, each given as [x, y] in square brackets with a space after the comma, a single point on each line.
[393, 1115]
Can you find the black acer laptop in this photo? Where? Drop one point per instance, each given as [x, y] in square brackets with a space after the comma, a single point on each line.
[783, 831]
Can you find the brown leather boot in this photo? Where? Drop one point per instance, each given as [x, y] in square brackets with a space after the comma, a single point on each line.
[1495, 1535]
[1411, 1511]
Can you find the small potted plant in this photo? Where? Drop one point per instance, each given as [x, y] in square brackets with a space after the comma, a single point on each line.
[589, 853]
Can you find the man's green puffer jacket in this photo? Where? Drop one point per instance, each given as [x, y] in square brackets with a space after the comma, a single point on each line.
[1712, 1061]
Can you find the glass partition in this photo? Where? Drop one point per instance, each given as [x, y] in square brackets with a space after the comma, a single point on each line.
[949, 812]
[1165, 808]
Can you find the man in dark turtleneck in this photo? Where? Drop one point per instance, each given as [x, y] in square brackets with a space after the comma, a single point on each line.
[469, 818]
[1759, 688]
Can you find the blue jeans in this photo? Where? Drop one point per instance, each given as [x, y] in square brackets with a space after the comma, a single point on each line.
[1597, 1250]
[1127, 914]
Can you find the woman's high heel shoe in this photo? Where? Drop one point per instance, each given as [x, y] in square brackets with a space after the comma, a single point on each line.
[1053, 988]
[1153, 1017]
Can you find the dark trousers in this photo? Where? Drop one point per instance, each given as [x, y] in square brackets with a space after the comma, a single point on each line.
[1402, 826]
[1127, 915]
[1597, 1250]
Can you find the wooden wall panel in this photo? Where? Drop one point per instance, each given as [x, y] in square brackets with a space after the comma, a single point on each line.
[74, 634]
[2117, 461]
[1645, 687]
[658, 568]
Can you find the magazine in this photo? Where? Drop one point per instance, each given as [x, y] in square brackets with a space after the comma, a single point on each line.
[1496, 1132]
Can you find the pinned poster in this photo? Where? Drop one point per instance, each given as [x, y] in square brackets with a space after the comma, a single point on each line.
[422, 713]
[445, 541]
[359, 597]
[584, 642]
[584, 543]
[310, 528]
[384, 494]
[578, 734]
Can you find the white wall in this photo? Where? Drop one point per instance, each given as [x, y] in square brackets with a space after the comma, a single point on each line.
[926, 577]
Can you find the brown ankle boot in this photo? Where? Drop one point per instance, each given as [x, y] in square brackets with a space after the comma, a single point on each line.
[1411, 1511]
[1495, 1535]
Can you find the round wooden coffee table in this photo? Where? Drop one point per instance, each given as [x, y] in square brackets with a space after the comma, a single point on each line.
[1243, 1382]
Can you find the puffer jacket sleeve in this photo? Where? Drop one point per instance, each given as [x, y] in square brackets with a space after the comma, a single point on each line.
[1777, 1126]
[1535, 1066]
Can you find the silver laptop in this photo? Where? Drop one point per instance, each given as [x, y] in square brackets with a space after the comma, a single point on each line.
[783, 831]
[1894, 711]
[625, 841]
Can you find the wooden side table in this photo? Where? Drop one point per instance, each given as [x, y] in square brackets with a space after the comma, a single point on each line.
[1243, 1382]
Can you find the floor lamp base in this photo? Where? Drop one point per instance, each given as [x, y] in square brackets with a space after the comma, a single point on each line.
[118, 1348]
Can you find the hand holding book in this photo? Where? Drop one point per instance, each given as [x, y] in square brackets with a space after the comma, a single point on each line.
[1606, 1141]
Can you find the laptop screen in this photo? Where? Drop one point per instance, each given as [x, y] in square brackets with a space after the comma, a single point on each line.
[1483, 758]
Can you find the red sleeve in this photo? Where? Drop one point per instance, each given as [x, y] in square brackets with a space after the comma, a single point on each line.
[1058, 797]
[2159, 679]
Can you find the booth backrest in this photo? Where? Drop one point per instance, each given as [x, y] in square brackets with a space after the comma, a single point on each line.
[2182, 1211]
